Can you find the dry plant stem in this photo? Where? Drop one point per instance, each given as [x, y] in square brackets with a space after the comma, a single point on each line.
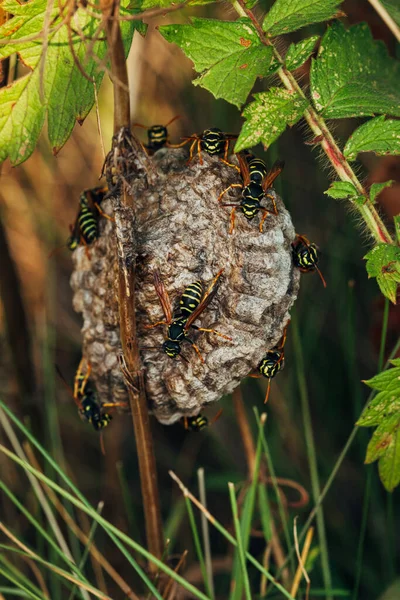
[129, 341]
[53, 568]
[245, 431]
[302, 559]
[83, 538]
[318, 126]
[384, 15]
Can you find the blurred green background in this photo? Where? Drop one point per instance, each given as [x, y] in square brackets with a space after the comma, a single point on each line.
[339, 329]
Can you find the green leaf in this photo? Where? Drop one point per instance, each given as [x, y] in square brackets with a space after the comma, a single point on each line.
[288, 15]
[383, 262]
[384, 411]
[381, 437]
[268, 116]
[396, 220]
[341, 189]
[384, 403]
[228, 55]
[299, 53]
[377, 135]
[353, 75]
[54, 87]
[376, 189]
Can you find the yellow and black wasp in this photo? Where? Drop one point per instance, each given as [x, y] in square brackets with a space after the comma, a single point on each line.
[305, 256]
[85, 398]
[86, 227]
[192, 303]
[272, 363]
[213, 141]
[199, 422]
[253, 192]
[158, 136]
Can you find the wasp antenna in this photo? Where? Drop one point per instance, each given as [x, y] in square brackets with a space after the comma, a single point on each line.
[217, 416]
[172, 120]
[321, 276]
[140, 125]
[268, 390]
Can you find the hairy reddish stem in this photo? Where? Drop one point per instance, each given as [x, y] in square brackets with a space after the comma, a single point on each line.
[317, 124]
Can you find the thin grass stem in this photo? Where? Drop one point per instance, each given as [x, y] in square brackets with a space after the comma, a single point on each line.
[311, 453]
[197, 545]
[206, 533]
[29, 593]
[111, 530]
[239, 541]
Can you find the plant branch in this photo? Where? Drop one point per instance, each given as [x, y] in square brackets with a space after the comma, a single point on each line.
[324, 137]
[134, 375]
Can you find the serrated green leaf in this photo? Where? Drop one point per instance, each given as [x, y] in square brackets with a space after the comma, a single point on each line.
[297, 54]
[382, 438]
[396, 220]
[289, 15]
[268, 116]
[228, 55]
[60, 91]
[389, 464]
[386, 380]
[341, 189]
[380, 258]
[384, 411]
[353, 75]
[388, 287]
[385, 403]
[376, 189]
[377, 135]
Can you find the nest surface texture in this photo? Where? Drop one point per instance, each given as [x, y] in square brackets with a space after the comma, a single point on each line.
[179, 228]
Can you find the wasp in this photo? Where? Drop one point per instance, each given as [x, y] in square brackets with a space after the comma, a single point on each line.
[86, 400]
[272, 363]
[252, 192]
[86, 227]
[213, 141]
[258, 170]
[192, 303]
[305, 256]
[158, 137]
[199, 422]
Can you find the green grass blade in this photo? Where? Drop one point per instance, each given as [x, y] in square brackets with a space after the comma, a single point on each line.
[111, 530]
[311, 453]
[205, 531]
[16, 573]
[265, 512]
[28, 593]
[197, 545]
[247, 515]
[239, 540]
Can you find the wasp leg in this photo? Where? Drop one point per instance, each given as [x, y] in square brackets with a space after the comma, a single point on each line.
[271, 197]
[185, 423]
[233, 185]
[114, 405]
[196, 349]
[268, 390]
[102, 213]
[178, 145]
[191, 150]
[199, 151]
[155, 324]
[84, 243]
[232, 220]
[226, 337]
[265, 215]
[230, 164]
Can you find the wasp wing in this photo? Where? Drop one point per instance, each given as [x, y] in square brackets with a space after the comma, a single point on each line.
[272, 174]
[162, 296]
[205, 301]
[244, 169]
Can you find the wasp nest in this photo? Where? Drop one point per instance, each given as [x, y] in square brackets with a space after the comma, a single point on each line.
[179, 228]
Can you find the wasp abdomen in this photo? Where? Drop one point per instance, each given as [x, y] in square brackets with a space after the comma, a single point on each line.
[191, 298]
